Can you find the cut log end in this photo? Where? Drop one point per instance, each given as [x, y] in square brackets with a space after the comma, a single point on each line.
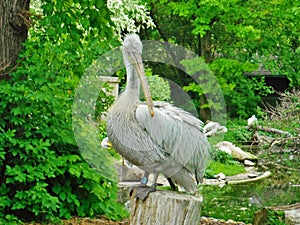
[166, 207]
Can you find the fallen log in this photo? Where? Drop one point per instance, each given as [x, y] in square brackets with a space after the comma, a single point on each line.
[269, 129]
[290, 214]
[166, 207]
[264, 175]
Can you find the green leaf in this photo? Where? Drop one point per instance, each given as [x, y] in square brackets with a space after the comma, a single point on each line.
[56, 188]
[62, 196]
[75, 172]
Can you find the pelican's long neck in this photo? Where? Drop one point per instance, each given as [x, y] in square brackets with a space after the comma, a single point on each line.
[133, 83]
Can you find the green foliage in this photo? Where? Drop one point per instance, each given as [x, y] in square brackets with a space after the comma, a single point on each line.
[159, 88]
[224, 163]
[237, 132]
[235, 37]
[276, 218]
[241, 93]
[206, 85]
[228, 169]
[42, 175]
[223, 157]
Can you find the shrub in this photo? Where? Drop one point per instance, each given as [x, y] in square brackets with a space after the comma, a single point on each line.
[42, 175]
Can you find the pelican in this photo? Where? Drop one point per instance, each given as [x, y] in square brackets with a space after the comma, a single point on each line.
[155, 136]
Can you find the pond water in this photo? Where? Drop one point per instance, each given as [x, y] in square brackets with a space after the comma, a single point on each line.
[240, 202]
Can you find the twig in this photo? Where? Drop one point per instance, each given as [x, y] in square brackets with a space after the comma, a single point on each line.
[280, 141]
[262, 139]
[284, 167]
[12, 69]
[4, 67]
[273, 130]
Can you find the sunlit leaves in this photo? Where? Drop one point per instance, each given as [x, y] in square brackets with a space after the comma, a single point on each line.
[129, 16]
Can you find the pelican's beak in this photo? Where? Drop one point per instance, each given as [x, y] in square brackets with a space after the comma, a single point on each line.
[105, 143]
[138, 64]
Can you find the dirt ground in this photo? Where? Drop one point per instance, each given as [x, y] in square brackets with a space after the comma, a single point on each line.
[103, 221]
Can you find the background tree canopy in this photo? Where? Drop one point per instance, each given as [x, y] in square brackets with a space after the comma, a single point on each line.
[235, 37]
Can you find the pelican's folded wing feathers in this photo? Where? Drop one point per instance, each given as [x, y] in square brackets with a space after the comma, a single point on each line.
[178, 133]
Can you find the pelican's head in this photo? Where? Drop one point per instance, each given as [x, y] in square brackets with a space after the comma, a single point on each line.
[132, 49]
[132, 54]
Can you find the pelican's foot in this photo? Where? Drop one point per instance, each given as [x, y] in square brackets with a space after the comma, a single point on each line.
[141, 191]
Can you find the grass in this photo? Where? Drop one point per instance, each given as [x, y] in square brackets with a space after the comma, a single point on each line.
[231, 169]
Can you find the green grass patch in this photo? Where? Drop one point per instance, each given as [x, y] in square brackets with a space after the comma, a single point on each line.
[229, 169]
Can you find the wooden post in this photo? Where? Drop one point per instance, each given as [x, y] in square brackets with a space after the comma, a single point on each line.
[166, 207]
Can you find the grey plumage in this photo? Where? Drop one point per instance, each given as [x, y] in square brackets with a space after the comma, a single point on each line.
[155, 136]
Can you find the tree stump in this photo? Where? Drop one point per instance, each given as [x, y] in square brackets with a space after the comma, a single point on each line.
[289, 213]
[166, 207]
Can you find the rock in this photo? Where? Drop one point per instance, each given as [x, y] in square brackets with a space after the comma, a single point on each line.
[248, 163]
[220, 176]
[161, 180]
[128, 173]
[234, 151]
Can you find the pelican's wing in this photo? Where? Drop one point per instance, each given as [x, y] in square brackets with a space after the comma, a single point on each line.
[178, 133]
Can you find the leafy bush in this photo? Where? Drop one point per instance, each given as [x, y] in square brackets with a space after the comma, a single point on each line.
[159, 88]
[223, 157]
[241, 93]
[42, 174]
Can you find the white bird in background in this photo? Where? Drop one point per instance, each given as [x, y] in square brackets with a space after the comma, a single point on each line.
[155, 136]
[252, 120]
[211, 128]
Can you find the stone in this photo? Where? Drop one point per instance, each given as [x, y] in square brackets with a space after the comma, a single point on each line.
[220, 176]
[128, 173]
[248, 163]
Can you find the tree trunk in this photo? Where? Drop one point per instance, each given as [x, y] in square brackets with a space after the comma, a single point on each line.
[166, 207]
[205, 47]
[13, 32]
[290, 214]
[14, 23]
